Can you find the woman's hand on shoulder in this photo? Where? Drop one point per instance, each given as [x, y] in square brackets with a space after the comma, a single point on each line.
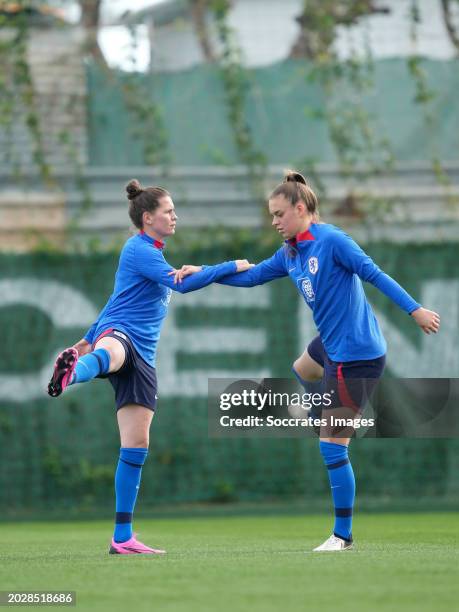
[243, 265]
[184, 271]
[428, 320]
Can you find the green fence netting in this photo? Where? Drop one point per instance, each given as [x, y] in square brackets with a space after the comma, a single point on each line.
[283, 112]
[62, 453]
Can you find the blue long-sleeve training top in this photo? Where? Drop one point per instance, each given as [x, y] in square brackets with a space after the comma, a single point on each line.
[327, 267]
[142, 292]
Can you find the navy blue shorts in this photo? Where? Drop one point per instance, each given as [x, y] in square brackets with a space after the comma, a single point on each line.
[135, 382]
[350, 383]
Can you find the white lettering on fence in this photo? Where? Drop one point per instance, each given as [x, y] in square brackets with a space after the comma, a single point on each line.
[64, 305]
[435, 355]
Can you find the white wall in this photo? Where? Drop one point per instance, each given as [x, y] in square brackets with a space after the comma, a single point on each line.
[266, 31]
[390, 34]
[176, 47]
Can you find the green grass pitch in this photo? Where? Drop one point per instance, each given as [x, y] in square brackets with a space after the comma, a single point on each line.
[402, 562]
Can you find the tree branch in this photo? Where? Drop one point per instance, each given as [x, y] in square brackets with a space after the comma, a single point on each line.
[199, 9]
[319, 19]
[90, 20]
[450, 27]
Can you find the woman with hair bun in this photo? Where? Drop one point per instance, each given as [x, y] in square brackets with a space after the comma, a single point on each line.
[121, 344]
[348, 355]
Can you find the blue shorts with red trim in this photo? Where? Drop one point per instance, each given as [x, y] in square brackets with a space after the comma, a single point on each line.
[135, 382]
[350, 383]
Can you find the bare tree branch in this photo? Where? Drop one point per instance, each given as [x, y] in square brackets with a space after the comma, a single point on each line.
[450, 26]
[90, 20]
[199, 9]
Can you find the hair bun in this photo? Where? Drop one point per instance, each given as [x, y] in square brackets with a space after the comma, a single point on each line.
[294, 177]
[133, 189]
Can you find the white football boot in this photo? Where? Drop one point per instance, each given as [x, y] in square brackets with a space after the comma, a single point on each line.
[334, 544]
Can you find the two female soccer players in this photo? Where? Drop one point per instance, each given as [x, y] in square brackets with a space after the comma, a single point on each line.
[121, 344]
[348, 355]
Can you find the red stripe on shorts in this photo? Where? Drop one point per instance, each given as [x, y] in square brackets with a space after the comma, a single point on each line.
[343, 393]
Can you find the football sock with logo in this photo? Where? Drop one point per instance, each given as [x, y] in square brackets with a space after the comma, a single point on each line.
[91, 365]
[342, 484]
[127, 482]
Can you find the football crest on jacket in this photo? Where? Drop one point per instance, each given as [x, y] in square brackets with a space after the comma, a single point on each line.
[313, 265]
[308, 291]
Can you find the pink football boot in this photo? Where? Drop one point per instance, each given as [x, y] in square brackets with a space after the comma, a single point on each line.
[133, 547]
[63, 371]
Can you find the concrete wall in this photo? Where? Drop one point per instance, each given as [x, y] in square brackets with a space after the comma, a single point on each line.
[57, 68]
[31, 218]
[410, 205]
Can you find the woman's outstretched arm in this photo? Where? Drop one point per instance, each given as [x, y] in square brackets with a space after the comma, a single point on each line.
[152, 265]
[348, 253]
[267, 270]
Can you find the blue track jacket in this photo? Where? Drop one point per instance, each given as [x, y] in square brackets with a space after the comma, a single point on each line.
[143, 289]
[327, 268]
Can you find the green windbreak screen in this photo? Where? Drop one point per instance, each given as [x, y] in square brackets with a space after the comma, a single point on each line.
[62, 453]
[283, 112]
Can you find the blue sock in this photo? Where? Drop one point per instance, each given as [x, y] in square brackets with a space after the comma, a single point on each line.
[91, 365]
[127, 482]
[342, 483]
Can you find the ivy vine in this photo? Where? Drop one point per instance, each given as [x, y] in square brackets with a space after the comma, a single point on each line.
[149, 128]
[425, 96]
[18, 88]
[236, 84]
[343, 85]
